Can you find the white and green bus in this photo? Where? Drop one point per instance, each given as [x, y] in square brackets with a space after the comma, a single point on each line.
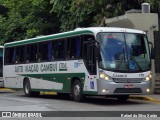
[1, 67]
[86, 61]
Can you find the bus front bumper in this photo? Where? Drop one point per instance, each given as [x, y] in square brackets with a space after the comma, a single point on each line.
[111, 88]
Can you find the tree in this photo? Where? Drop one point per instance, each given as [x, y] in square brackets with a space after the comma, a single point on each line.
[26, 19]
[155, 5]
[85, 13]
[77, 13]
[20, 19]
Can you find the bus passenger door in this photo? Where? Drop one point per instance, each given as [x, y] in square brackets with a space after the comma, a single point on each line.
[89, 54]
[89, 58]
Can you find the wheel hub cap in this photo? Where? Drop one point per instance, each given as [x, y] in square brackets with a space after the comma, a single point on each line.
[27, 88]
[77, 90]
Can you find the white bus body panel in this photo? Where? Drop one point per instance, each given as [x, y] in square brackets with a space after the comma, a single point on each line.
[15, 74]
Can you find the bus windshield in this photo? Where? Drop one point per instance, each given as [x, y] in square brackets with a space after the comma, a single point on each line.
[128, 52]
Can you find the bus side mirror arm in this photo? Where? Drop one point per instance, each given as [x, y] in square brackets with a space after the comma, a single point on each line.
[152, 50]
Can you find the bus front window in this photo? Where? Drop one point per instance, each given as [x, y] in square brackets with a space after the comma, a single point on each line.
[123, 52]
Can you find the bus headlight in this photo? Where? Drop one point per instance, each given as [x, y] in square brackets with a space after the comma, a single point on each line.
[102, 75]
[149, 77]
[105, 77]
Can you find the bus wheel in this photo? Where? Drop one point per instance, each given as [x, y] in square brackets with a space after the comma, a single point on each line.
[27, 89]
[123, 98]
[77, 91]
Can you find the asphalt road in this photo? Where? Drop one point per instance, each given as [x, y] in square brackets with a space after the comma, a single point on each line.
[16, 101]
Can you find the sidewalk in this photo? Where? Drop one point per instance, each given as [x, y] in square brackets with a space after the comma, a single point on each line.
[151, 97]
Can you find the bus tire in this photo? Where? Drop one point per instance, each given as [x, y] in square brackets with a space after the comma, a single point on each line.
[122, 98]
[27, 89]
[77, 91]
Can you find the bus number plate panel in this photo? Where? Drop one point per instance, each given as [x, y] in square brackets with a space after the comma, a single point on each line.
[128, 86]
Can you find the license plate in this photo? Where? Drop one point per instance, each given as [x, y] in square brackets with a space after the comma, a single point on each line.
[128, 86]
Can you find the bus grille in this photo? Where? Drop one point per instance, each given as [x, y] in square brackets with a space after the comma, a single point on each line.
[127, 80]
[128, 90]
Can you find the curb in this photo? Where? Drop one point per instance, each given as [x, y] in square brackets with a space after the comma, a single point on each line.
[6, 89]
[42, 93]
[146, 98]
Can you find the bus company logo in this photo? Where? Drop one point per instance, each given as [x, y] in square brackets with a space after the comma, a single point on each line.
[119, 75]
[76, 65]
[6, 114]
[62, 67]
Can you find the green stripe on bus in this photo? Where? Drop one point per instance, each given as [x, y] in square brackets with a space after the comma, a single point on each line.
[62, 69]
[47, 38]
[16, 89]
[90, 92]
[59, 91]
[64, 78]
[49, 90]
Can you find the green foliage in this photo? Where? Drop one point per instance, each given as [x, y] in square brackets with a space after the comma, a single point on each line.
[21, 19]
[155, 5]
[78, 13]
[26, 19]
[85, 13]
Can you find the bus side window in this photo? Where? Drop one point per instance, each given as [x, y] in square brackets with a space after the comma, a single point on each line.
[53, 51]
[9, 54]
[17, 59]
[49, 50]
[14, 55]
[78, 47]
[44, 53]
[39, 53]
[58, 50]
[27, 58]
[68, 48]
[31, 52]
[73, 49]
[27, 53]
[21, 54]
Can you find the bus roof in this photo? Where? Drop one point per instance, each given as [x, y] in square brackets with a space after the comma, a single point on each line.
[96, 30]
[78, 31]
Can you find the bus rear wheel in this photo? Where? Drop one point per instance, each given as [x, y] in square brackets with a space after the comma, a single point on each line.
[27, 89]
[123, 98]
[77, 91]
